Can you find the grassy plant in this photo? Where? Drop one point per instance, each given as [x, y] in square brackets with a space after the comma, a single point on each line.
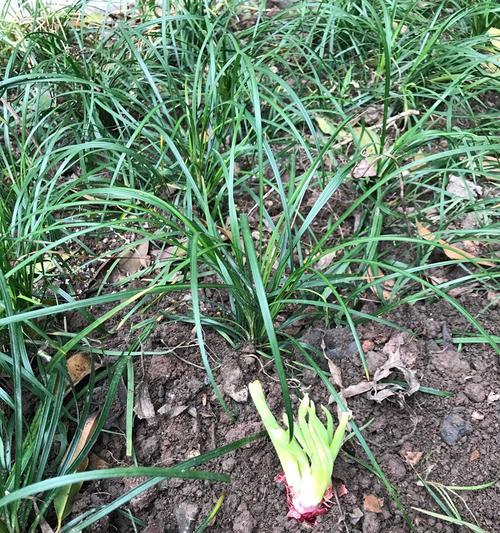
[195, 132]
[446, 498]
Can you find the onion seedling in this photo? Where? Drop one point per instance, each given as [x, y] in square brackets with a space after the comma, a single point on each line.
[307, 458]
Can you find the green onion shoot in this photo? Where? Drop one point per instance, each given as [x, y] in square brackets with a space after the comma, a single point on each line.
[308, 458]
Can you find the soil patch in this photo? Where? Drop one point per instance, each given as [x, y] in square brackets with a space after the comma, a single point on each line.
[451, 440]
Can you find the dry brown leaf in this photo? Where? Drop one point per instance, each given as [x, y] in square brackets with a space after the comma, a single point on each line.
[386, 285]
[143, 408]
[453, 252]
[79, 366]
[380, 391]
[335, 374]
[138, 259]
[88, 430]
[366, 168]
[474, 456]
[64, 495]
[403, 344]
[413, 458]
[359, 388]
[373, 504]
[494, 35]
[325, 261]
[170, 252]
[97, 463]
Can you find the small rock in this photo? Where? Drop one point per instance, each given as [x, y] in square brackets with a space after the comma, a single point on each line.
[228, 463]
[232, 381]
[371, 523]
[244, 521]
[356, 515]
[475, 392]
[185, 515]
[338, 343]
[454, 427]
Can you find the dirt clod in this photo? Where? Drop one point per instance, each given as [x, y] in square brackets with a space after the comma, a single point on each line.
[244, 521]
[447, 361]
[475, 392]
[372, 523]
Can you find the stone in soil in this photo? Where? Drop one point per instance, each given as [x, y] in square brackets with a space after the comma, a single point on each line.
[475, 392]
[453, 428]
[185, 516]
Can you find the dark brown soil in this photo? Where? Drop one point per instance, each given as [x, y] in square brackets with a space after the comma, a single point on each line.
[189, 421]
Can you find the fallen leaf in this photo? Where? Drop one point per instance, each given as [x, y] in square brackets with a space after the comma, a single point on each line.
[143, 407]
[132, 263]
[172, 412]
[474, 456]
[449, 250]
[373, 504]
[458, 186]
[405, 346]
[79, 365]
[335, 374]
[168, 253]
[340, 489]
[366, 168]
[325, 125]
[96, 462]
[491, 167]
[47, 263]
[413, 458]
[359, 388]
[325, 260]
[366, 139]
[64, 495]
[386, 285]
[494, 34]
[381, 391]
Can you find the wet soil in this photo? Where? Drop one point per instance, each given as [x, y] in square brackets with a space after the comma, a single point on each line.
[410, 436]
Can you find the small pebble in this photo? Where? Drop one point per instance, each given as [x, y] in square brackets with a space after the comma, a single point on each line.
[185, 514]
[475, 392]
[453, 428]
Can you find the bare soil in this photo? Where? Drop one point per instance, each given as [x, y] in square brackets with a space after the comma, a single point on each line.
[405, 433]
